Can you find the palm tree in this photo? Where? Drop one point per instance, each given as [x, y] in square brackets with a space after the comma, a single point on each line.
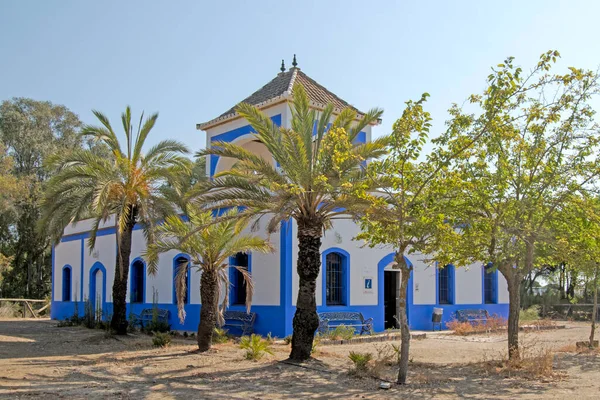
[125, 186]
[209, 244]
[313, 183]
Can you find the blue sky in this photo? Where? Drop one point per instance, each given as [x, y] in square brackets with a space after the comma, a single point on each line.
[192, 60]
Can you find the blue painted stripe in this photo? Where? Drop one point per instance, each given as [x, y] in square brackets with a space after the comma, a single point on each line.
[286, 273]
[101, 232]
[80, 297]
[53, 252]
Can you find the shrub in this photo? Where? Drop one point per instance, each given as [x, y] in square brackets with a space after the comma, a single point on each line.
[89, 315]
[530, 314]
[65, 323]
[255, 347]
[8, 310]
[131, 322]
[315, 345]
[361, 362]
[220, 335]
[341, 332]
[288, 339]
[543, 323]
[534, 363]
[158, 326]
[493, 323]
[270, 338]
[161, 339]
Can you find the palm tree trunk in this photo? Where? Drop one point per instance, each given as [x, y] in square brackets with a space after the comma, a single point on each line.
[404, 328]
[119, 319]
[306, 320]
[209, 295]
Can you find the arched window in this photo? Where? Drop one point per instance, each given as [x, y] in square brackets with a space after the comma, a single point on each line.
[446, 285]
[66, 284]
[335, 279]
[137, 282]
[181, 262]
[490, 284]
[238, 284]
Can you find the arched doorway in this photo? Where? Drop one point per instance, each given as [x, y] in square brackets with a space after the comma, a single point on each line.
[389, 279]
[97, 292]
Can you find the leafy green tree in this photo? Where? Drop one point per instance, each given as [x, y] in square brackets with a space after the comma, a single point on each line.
[539, 150]
[31, 131]
[179, 189]
[9, 195]
[576, 234]
[209, 244]
[407, 212]
[313, 182]
[125, 186]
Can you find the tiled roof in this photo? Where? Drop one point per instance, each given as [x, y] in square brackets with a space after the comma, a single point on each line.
[281, 87]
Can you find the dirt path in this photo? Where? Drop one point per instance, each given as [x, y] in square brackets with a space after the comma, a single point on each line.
[39, 359]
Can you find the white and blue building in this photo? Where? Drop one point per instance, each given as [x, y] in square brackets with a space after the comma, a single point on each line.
[353, 277]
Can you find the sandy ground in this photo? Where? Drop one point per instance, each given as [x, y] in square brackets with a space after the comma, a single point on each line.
[39, 359]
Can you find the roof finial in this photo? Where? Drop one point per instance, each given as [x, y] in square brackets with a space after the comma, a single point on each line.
[294, 63]
[282, 66]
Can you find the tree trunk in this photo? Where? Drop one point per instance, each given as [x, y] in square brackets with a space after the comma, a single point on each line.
[572, 284]
[306, 320]
[404, 328]
[514, 296]
[561, 282]
[119, 319]
[595, 309]
[209, 295]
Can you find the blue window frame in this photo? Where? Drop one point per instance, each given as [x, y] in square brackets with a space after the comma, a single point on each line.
[66, 283]
[137, 282]
[490, 284]
[446, 284]
[236, 278]
[336, 279]
[181, 261]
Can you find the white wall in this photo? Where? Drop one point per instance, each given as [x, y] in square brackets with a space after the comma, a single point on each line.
[502, 289]
[468, 281]
[104, 252]
[86, 225]
[266, 274]
[265, 270]
[363, 262]
[67, 253]
[423, 279]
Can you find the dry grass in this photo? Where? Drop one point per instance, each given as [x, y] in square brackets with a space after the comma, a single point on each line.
[466, 328]
[542, 323]
[573, 348]
[8, 310]
[536, 362]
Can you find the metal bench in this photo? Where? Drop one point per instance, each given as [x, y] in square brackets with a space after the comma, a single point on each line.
[347, 318]
[240, 320]
[472, 315]
[147, 315]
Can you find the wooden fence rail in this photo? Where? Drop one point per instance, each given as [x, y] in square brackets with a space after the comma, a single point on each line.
[566, 311]
[26, 306]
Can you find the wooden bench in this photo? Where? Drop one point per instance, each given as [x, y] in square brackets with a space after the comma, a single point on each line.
[240, 320]
[347, 318]
[472, 315]
[147, 315]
